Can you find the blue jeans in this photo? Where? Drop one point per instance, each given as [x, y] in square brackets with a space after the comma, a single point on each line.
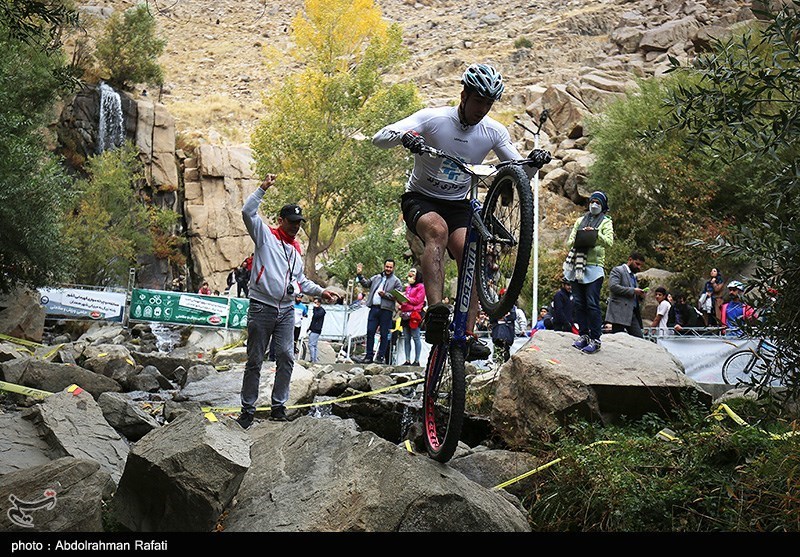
[586, 300]
[408, 334]
[313, 339]
[265, 322]
[378, 318]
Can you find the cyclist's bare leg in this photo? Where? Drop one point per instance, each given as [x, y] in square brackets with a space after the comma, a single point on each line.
[456, 247]
[432, 230]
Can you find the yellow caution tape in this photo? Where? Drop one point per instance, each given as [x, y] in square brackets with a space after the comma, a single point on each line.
[235, 344]
[231, 409]
[408, 446]
[210, 417]
[53, 351]
[738, 419]
[223, 367]
[21, 341]
[27, 391]
[130, 361]
[102, 355]
[545, 466]
[667, 434]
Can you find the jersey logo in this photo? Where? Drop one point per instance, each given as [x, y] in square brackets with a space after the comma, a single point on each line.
[450, 170]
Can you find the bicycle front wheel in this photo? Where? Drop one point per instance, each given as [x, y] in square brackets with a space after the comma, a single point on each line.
[503, 258]
[737, 367]
[443, 401]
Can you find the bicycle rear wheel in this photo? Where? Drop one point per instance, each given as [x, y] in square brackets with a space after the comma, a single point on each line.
[737, 367]
[503, 258]
[443, 401]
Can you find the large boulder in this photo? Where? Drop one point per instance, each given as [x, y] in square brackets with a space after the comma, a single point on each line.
[21, 314]
[53, 377]
[491, 468]
[324, 475]
[20, 445]
[126, 416]
[110, 360]
[224, 388]
[180, 477]
[547, 380]
[72, 423]
[167, 363]
[64, 495]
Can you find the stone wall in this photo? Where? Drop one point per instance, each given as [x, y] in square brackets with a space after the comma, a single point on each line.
[217, 180]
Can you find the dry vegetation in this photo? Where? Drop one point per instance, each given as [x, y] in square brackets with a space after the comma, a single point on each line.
[221, 55]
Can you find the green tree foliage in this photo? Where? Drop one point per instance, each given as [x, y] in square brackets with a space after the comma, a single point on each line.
[33, 188]
[745, 106]
[377, 241]
[109, 226]
[38, 22]
[318, 121]
[663, 196]
[129, 49]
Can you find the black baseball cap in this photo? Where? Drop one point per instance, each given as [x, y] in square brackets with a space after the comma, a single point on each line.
[292, 212]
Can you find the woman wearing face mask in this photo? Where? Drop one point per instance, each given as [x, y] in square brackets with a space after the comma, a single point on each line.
[411, 314]
[592, 233]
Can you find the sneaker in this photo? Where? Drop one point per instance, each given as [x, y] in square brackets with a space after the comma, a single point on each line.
[245, 420]
[592, 347]
[581, 343]
[437, 319]
[416, 364]
[278, 414]
[476, 350]
[406, 363]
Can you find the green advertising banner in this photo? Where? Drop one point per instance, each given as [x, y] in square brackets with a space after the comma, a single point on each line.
[182, 308]
[237, 314]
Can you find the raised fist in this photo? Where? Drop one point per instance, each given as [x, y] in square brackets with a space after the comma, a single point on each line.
[413, 141]
[539, 158]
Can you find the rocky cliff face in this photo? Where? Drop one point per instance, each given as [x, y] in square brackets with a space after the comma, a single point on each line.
[570, 57]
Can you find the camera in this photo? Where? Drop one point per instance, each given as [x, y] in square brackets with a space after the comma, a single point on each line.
[290, 289]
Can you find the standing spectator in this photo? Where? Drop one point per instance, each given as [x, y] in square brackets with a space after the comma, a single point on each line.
[300, 312]
[562, 308]
[204, 289]
[230, 280]
[711, 299]
[735, 311]
[660, 322]
[242, 276]
[503, 333]
[411, 314]
[381, 308]
[521, 324]
[315, 328]
[624, 310]
[686, 316]
[591, 234]
[279, 274]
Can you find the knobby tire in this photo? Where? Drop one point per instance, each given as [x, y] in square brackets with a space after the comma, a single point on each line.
[508, 214]
[443, 401]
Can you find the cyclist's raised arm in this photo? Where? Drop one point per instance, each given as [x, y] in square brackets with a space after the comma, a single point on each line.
[391, 135]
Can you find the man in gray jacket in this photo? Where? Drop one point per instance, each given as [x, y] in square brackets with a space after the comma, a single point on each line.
[381, 305]
[623, 310]
[276, 276]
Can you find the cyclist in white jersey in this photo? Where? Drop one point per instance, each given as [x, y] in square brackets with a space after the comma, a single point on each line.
[434, 204]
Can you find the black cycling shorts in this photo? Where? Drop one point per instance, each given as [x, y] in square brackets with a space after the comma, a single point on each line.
[456, 213]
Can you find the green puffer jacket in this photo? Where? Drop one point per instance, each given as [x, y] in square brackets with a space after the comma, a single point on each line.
[605, 239]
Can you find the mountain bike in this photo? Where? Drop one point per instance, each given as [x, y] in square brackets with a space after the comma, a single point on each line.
[496, 254]
[749, 366]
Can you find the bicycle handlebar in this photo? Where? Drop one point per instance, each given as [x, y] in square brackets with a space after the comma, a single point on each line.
[470, 168]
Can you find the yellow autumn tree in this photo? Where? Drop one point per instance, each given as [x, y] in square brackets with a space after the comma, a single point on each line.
[318, 120]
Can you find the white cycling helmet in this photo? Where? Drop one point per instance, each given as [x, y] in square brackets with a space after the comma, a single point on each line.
[736, 284]
[484, 80]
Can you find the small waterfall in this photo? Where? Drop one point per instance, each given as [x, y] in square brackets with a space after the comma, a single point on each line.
[111, 130]
[167, 338]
